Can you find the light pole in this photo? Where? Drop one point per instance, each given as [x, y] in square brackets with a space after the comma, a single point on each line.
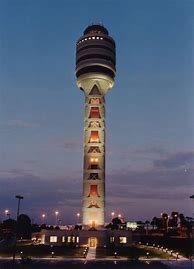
[19, 197]
[56, 214]
[6, 213]
[112, 215]
[43, 218]
[192, 197]
[78, 215]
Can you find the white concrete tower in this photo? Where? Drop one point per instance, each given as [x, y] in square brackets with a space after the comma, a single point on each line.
[95, 72]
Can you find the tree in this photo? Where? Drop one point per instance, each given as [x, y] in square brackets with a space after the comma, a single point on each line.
[183, 222]
[36, 228]
[116, 221]
[24, 226]
[165, 221]
[157, 222]
[9, 226]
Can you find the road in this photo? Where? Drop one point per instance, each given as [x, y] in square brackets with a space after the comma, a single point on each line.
[180, 264]
[95, 264]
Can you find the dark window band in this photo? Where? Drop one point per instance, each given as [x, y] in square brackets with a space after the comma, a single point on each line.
[99, 56]
[95, 68]
[95, 47]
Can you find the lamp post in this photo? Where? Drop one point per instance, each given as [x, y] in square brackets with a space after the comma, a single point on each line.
[78, 215]
[192, 197]
[19, 197]
[112, 215]
[6, 213]
[43, 218]
[56, 214]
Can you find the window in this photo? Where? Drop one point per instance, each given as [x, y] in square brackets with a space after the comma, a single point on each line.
[122, 239]
[63, 239]
[94, 160]
[95, 113]
[73, 239]
[95, 68]
[94, 137]
[94, 166]
[95, 101]
[93, 205]
[93, 176]
[94, 124]
[94, 150]
[112, 239]
[53, 239]
[93, 191]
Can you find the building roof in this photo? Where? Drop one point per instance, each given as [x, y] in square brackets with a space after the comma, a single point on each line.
[98, 28]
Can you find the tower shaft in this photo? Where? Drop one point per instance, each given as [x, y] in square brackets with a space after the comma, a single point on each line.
[94, 159]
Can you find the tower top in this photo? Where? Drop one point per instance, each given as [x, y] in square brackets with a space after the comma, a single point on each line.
[96, 28]
[95, 59]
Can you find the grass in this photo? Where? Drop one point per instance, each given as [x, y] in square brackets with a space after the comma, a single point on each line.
[91, 265]
[132, 252]
[40, 251]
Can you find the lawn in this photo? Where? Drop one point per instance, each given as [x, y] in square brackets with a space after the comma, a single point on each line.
[39, 251]
[54, 264]
[132, 252]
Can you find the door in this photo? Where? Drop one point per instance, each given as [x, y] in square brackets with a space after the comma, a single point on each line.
[92, 242]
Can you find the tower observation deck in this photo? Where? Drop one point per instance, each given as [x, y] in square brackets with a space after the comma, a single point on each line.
[95, 72]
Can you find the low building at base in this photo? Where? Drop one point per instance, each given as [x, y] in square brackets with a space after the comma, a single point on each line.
[79, 238]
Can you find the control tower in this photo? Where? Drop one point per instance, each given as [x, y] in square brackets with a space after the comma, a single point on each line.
[95, 72]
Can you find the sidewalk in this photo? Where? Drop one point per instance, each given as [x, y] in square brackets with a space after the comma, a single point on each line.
[91, 255]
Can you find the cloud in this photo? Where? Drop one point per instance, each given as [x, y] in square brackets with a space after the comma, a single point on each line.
[154, 176]
[159, 186]
[31, 161]
[140, 157]
[72, 145]
[69, 145]
[176, 160]
[40, 194]
[151, 150]
[16, 173]
[17, 124]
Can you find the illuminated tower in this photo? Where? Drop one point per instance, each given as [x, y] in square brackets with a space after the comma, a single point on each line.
[95, 72]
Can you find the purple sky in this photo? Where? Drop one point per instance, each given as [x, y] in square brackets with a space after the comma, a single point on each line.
[150, 144]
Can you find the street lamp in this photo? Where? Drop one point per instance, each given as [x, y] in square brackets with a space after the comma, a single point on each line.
[19, 197]
[43, 218]
[6, 213]
[192, 197]
[119, 216]
[112, 214]
[78, 215]
[56, 214]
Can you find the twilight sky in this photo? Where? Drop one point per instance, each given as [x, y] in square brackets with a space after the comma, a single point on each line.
[150, 142]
